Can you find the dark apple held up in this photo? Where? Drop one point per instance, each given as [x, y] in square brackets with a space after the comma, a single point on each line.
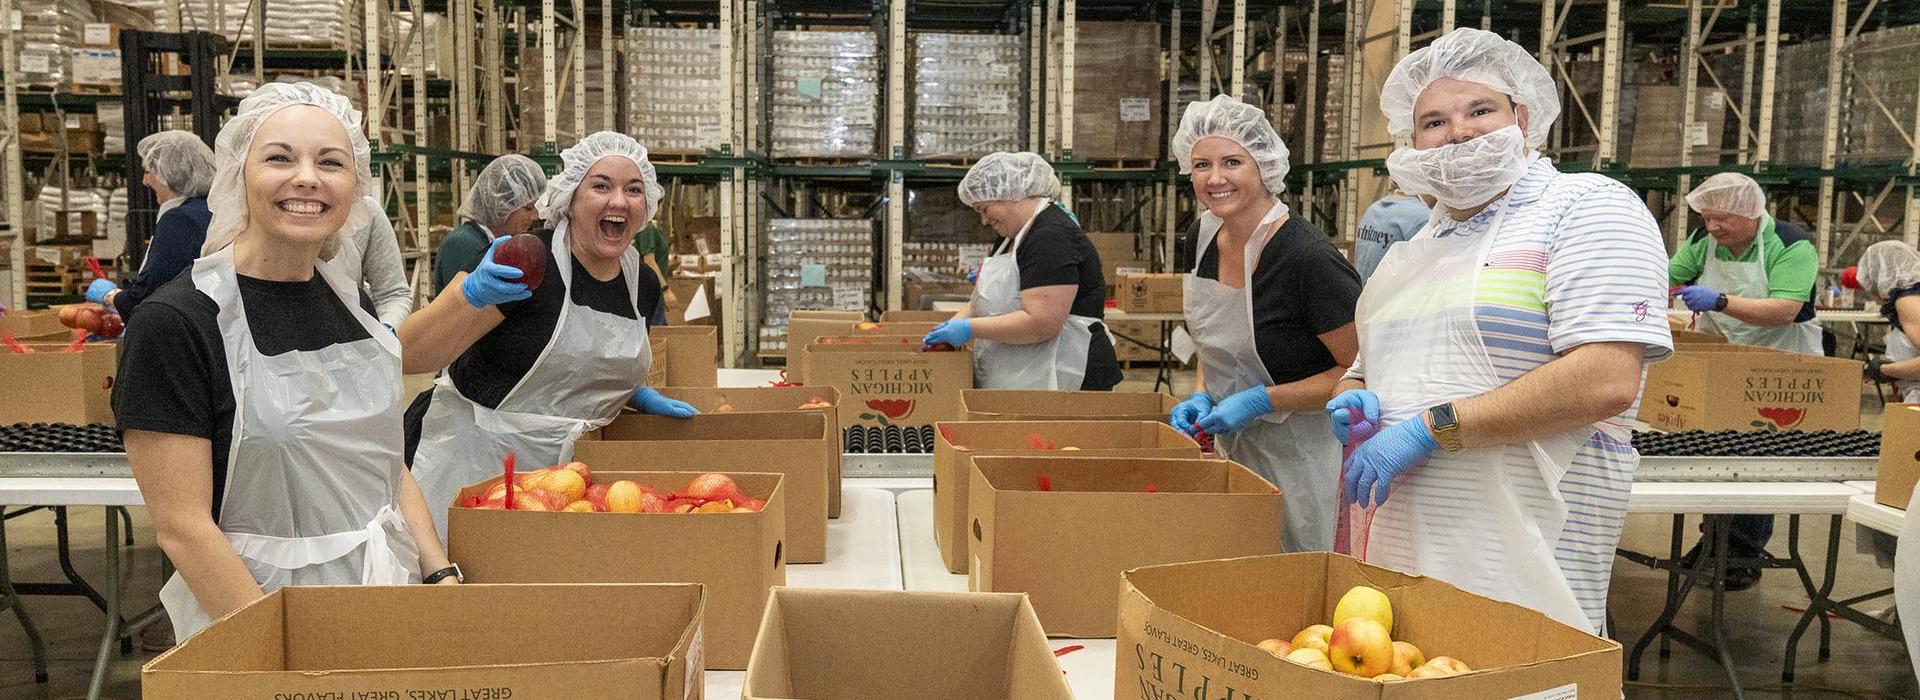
[525, 252]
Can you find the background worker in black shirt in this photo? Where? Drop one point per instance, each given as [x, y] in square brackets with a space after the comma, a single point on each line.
[1035, 316]
[534, 369]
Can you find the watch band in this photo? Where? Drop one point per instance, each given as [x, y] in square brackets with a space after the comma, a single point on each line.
[1721, 303]
[452, 571]
[1446, 428]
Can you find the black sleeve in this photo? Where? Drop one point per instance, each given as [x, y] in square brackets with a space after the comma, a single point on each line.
[176, 242]
[650, 303]
[1049, 258]
[1326, 287]
[165, 380]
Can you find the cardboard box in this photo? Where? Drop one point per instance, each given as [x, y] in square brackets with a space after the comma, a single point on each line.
[1155, 293]
[52, 385]
[1686, 337]
[821, 643]
[101, 34]
[692, 354]
[1190, 629]
[1135, 341]
[778, 399]
[789, 444]
[34, 325]
[1032, 404]
[957, 444]
[1743, 387]
[911, 316]
[736, 556]
[495, 641]
[889, 381]
[1899, 455]
[1065, 545]
[1117, 91]
[94, 66]
[803, 326]
[1118, 252]
[685, 290]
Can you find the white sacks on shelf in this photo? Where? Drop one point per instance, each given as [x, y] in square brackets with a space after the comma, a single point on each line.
[676, 96]
[295, 22]
[826, 88]
[966, 94]
[47, 30]
[113, 127]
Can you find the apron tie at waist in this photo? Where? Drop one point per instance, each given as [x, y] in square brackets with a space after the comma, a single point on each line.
[300, 552]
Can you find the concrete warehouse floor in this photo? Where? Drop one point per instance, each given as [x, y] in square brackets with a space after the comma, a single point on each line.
[1863, 664]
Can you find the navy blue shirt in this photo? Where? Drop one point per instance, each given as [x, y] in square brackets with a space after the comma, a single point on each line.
[176, 242]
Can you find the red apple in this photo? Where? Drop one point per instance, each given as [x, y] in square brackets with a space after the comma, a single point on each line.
[715, 487]
[527, 253]
[586, 474]
[111, 326]
[597, 495]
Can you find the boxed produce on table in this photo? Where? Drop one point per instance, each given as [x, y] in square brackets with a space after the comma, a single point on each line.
[1899, 455]
[58, 383]
[805, 325]
[889, 381]
[692, 354]
[1036, 405]
[820, 643]
[1223, 626]
[471, 641]
[676, 92]
[793, 445]
[1151, 293]
[825, 89]
[1744, 387]
[958, 444]
[33, 325]
[1063, 529]
[633, 536]
[1117, 91]
[821, 400]
[966, 94]
[1120, 253]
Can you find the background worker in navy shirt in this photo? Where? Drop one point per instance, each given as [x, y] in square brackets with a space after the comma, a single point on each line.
[179, 169]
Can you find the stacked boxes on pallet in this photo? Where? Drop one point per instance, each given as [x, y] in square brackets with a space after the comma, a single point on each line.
[47, 30]
[1117, 92]
[815, 264]
[944, 241]
[289, 22]
[826, 88]
[399, 38]
[676, 96]
[533, 98]
[966, 94]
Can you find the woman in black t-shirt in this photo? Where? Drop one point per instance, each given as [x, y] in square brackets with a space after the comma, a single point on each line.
[1035, 316]
[533, 369]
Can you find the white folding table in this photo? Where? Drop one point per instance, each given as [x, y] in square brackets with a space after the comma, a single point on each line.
[1163, 347]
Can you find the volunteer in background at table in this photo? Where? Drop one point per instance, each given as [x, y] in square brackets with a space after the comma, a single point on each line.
[179, 168]
[1752, 277]
[1502, 348]
[529, 371]
[260, 397]
[500, 203]
[1035, 319]
[1889, 273]
[1391, 220]
[370, 259]
[1270, 305]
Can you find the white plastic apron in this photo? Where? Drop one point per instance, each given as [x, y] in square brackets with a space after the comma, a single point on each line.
[1749, 280]
[1294, 451]
[1900, 349]
[587, 372]
[165, 207]
[1056, 364]
[314, 464]
[1486, 519]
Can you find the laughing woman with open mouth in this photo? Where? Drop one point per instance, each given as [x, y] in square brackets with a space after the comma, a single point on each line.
[530, 370]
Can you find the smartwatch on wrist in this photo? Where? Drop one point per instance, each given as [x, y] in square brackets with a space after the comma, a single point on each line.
[1446, 429]
[1721, 303]
[452, 571]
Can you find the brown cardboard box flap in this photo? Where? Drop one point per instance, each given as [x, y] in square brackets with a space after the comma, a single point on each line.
[1721, 386]
[806, 324]
[1899, 455]
[693, 353]
[914, 316]
[53, 385]
[513, 640]
[1182, 617]
[777, 399]
[1037, 404]
[880, 645]
[888, 381]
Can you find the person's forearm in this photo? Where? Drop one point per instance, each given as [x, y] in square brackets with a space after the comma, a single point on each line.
[207, 561]
[1763, 312]
[1591, 383]
[1345, 385]
[433, 338]
[415, 511]
[1904, 369]
[1016, 327]
[966, 311]
[1308, 394]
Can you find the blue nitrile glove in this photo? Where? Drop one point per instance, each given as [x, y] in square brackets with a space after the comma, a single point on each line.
[1191, 411]
[1700, 298]
[1384, 456]
[1236, 411]
[650, 400]
[492, 283]
[1365, 402]
[973, 274]
[955, 333]
[98, 289]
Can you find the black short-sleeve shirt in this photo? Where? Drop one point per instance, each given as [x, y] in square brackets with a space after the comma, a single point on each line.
[1302, 287]
[173, 366]
[1055, 252]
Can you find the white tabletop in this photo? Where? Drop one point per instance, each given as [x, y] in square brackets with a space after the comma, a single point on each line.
[1864, 510]
[1848, 316]
[1798, 498]
[1118, 316]
[863, 546]
[69, 491]
[748, 378]
[919, 554]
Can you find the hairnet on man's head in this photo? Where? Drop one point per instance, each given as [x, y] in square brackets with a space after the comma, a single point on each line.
[1889, 265]
[1227, 117]
[1733, 193]
[508, 183]
[1474, 56]
[1004, 176]
[180, 159]
[580, 157]
[227, 198]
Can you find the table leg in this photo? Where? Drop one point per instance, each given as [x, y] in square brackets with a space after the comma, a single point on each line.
[112, 634]
[1675, 596]
[11, 599]
[1719, 525]
[1164, 375]
[65, 554]
[1826, 586]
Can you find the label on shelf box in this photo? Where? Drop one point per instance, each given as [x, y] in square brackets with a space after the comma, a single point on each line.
[1129, 271]
[993, 103]
[709, 134]
[687, 261]
[849, 298]
[1714, 101]
[34, 62]
[73, 121]
[97, 34]
[813, 275]
[17, 21]
[714, 260]
[1697, 134]
[808, 86]
[857, 115]
[1135, 109]
[1000, 71]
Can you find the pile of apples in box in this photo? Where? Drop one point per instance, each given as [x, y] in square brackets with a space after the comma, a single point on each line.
[1360, 643]
[570, 488]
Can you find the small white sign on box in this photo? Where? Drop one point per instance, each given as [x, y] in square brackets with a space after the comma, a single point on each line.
[1697, 134]
[97, 34]
[857, 115]
[35, 63]
[1569, 691]
[1135, 109]
[1129, 271]
[709, 134]
[73, 121]
[1713, 102]
[688, 262]
[993, 103]
[849, 298]
[714, 260]
[1000, 71]
[17, 21]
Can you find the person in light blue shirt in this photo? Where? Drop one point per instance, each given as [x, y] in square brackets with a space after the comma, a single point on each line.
[1392, 219]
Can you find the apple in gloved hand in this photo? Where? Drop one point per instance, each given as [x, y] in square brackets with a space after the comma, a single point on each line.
[525, 252]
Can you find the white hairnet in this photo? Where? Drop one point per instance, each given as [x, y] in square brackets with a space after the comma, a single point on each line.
[180, 159]
[1889, 265]
[578, 158]
[508, 183]
[227, 199]
[1474, 56]
[1227, 117]
[1733, 193]
[1003, 176]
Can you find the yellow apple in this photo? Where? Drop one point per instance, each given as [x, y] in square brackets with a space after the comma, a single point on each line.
[1311, 658]
[1276, 647]
[1384, 677]
[1360, 647]
[1314, 637]
[1406, 658]
[1440, 667]
[1367, 602]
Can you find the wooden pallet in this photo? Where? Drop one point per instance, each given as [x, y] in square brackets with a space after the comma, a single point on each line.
[1124, 164]
[814, 162]
[675, 157]
[91, 89]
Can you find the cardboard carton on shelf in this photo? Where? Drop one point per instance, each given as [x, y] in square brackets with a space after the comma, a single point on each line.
[1035, 404]
[53, 385]
[778, 399]
[500, 641]
[821, 643]
[957, 444]
[1718, 386]
[692, 354]
[887, 380]
[1063, 529]
[1899, 455]
[1155, 293]
[793, 445]
[735, 556]
[1205, 617]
